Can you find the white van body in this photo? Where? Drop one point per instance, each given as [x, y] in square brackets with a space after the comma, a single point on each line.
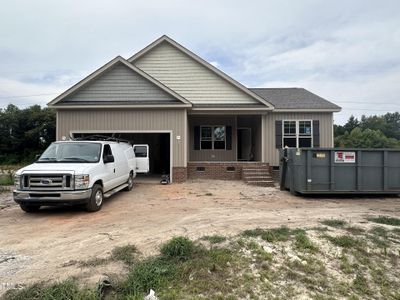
[76, 172]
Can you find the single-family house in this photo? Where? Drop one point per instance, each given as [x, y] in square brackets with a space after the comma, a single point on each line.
[198, 121]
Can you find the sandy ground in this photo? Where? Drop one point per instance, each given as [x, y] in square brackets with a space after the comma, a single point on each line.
[44, 246]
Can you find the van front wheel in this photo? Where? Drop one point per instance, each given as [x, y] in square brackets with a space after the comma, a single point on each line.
[129, 183]
[29, 208]
[96, 199]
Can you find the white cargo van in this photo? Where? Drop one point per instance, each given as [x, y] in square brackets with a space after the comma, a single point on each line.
[77, 172]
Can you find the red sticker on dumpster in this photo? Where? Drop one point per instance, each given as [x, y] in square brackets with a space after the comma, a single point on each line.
[345, 157]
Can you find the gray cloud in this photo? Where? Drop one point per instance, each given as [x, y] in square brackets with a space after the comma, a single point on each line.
[346, 51]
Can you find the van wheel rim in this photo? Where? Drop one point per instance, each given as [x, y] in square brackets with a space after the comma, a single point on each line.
[130, 182]
[99, 198]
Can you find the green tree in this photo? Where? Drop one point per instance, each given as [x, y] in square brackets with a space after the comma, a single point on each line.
[368, 138]
[25, 132]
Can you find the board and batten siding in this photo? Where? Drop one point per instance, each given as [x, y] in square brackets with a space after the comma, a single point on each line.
[271, 154]
[190, 79]
[120, 83]
[82, 120]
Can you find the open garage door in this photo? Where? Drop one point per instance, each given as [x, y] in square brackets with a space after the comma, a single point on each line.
[159, 149]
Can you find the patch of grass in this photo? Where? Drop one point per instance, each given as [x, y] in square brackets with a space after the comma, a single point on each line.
[303, 243]
[179, 247]
[6, 179]
[334, 223]
[360, 284]
[379, 231]
[385, 220]
[345, 265]
[214, 239]
[254, 232]
[152, 273]
[320, 228]
[93, 262]
[67, 289]
[125, 254]
[356, 230]
[344, 241]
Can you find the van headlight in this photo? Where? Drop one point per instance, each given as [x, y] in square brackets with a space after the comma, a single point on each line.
[81, 182]
[17, 181]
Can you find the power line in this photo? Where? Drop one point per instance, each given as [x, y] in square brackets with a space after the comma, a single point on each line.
[27, 96]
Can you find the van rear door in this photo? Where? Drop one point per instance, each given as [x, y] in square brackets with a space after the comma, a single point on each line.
[142, 158]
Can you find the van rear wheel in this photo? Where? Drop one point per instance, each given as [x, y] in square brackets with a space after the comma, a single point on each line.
[29, 208]
[96, 199]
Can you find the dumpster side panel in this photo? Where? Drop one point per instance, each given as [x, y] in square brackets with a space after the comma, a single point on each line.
[393, 170]
[372, 171]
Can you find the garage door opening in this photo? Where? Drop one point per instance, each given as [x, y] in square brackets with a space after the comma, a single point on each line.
[159, 150]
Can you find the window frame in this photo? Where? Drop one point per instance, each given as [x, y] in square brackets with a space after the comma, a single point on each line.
[212, 140]
[297, 135]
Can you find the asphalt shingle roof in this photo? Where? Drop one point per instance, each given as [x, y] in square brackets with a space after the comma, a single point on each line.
[293, 98]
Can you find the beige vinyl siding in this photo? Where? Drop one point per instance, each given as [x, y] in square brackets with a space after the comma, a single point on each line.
[120, 83]
[128, 120]
[212, 155]
[271, 154]
[188, 78]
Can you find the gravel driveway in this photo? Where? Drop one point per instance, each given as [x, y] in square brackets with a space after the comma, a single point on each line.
[46, 245]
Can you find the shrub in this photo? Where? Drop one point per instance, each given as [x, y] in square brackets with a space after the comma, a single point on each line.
[179, 247]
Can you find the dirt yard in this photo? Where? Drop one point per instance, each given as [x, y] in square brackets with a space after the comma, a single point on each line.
[47, 245]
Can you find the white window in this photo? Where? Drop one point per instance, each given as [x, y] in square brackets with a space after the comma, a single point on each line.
[212, 137]
[297, 134]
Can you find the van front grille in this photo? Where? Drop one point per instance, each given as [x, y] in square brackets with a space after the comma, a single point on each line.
[47, 182]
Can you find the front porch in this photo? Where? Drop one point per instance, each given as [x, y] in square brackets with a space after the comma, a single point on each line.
[227, 147]
[225, 138]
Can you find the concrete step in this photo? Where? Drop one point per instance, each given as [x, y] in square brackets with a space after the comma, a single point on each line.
[266, 183]
[251, 178]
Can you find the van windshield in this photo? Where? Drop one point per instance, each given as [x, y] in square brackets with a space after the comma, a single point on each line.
[71, 153]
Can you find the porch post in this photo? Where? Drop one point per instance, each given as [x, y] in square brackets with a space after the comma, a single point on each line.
[263, 138]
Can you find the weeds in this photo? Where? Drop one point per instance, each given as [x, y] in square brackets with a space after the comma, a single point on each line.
[125, 254]
[344, 241]
[385, 220]
[303, 243]
[67, 289]
[214, 239]
[334, 223]
[179, 247]
[356, 230]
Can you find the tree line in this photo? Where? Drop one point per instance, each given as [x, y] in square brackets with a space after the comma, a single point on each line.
[26, 132]
[369, 132]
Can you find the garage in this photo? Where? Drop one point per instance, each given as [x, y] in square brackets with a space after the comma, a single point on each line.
[159, 152]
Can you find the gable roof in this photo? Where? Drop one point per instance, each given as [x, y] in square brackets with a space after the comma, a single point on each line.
[298, 99]
[65, 98]
[230, 81]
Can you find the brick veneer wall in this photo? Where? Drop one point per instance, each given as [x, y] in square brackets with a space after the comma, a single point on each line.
[179, 174]
[218, 170]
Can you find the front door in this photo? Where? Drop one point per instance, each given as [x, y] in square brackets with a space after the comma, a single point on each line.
[244, 144]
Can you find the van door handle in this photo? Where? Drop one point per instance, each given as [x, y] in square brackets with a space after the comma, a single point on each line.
[114, 170]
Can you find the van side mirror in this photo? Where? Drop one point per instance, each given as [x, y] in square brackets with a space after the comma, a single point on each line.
[108, 159]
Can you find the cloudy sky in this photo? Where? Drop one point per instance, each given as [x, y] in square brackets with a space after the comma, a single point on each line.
[345, 51]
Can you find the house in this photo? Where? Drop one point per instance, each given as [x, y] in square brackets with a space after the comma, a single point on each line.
[198, 121]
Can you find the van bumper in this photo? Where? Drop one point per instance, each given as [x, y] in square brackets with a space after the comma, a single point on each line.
[52, 198]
